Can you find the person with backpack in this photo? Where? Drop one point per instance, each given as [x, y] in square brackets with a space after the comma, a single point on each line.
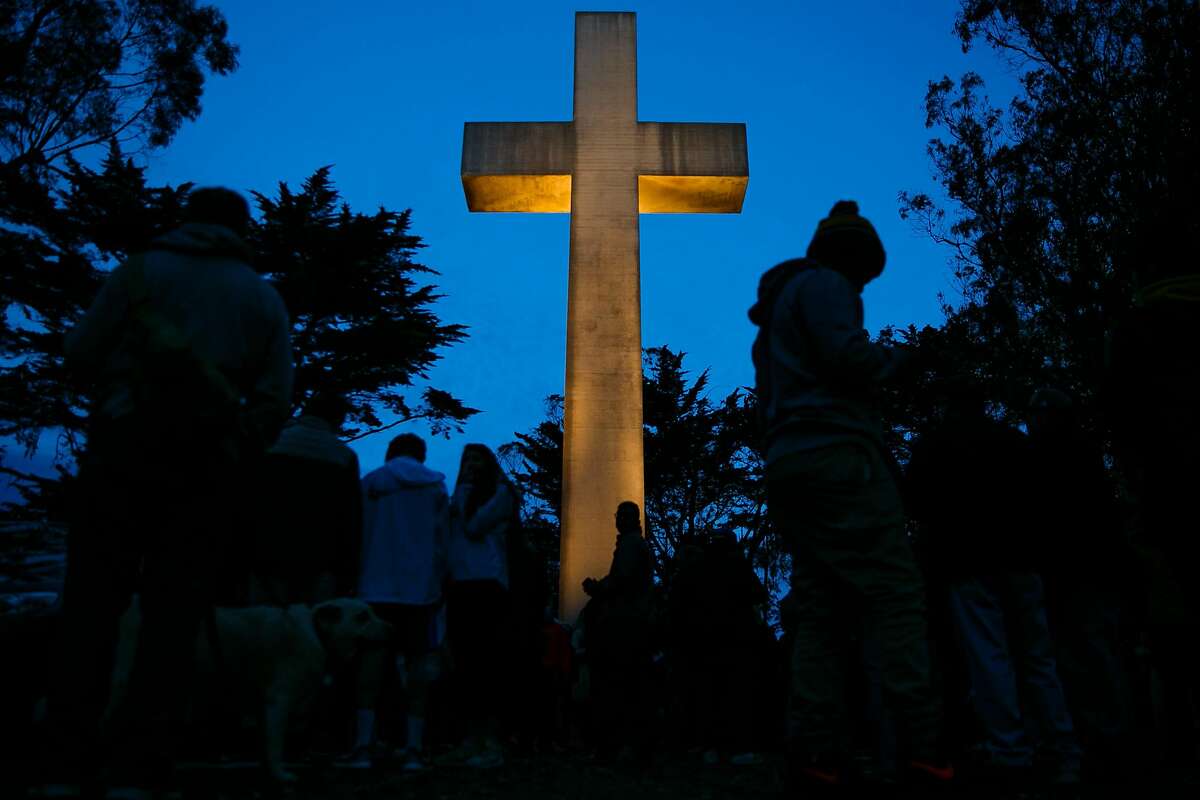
[833, 497]
[483, 510]
[189, 355]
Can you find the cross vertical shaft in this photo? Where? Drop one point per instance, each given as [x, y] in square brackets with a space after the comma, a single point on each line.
[602, 436]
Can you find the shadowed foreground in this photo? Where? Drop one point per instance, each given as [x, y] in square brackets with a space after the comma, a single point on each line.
[572, 776]
[568, 775]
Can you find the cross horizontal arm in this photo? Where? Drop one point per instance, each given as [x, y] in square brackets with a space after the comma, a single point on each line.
[692, 167]
[518, 166]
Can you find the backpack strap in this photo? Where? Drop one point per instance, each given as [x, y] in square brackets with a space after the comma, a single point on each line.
[162, 334]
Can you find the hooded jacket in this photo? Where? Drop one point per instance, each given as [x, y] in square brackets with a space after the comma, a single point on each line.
[479, 543]
[405, 532]
[197, 279]
[816, 369]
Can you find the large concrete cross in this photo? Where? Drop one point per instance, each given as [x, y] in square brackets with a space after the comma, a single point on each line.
[604, 167]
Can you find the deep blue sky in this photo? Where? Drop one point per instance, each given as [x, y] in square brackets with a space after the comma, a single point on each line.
[831, 94]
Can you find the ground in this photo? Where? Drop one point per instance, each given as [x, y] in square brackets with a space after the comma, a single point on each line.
[570, 776]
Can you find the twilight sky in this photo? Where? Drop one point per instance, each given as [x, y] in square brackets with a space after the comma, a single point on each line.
[831, 94]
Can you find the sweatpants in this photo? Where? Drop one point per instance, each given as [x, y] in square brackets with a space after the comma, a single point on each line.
[838, 511]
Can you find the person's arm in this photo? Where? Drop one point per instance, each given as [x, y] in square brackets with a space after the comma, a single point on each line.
[497, 509]
[270, 398]
[95, 335]
[829, 307]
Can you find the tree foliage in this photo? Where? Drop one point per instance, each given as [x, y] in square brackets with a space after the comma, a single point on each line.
[1063, 204]
[76, 73]
[702, 467]
[363, 323]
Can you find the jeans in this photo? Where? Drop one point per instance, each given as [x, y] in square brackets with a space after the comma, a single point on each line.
[1000, 623]
[838, 511]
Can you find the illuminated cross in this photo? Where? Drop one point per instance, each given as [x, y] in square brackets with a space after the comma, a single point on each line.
[604, 167]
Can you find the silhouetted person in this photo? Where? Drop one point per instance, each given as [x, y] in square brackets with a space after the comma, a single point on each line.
[716, 624]
[482, 512]
[618, 640]
[405, 536]
[1153, 385]
[832, 495]
[969, 483]
[524, 638]
[308, 540]
[1088, 574]
[190, 352]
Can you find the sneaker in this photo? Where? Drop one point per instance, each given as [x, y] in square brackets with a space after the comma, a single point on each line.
[930, 775]
[489, 756]
[814, 781]
[411, 761]
[55, 791]
[747, 759]
[818, 776]
[128, 793]
[140, 793]
[459, 756]
[358, 758]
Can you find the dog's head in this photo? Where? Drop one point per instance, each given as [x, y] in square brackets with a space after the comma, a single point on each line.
[344, 624]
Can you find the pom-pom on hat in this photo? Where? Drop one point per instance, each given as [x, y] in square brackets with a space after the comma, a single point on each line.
[848, 241]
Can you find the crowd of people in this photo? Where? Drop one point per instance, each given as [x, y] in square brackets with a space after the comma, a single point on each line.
[990, 588]
[981, 594]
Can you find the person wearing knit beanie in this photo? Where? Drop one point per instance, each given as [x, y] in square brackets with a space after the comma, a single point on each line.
[834, 502]
[847, 241]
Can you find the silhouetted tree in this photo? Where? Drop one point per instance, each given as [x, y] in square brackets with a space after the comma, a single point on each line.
[363, 323]
[702, 466]
[1065, 202]
[77, 73]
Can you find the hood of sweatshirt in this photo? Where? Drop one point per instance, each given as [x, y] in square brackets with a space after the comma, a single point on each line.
[771, 284]
[407, 471]
[201, 239]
